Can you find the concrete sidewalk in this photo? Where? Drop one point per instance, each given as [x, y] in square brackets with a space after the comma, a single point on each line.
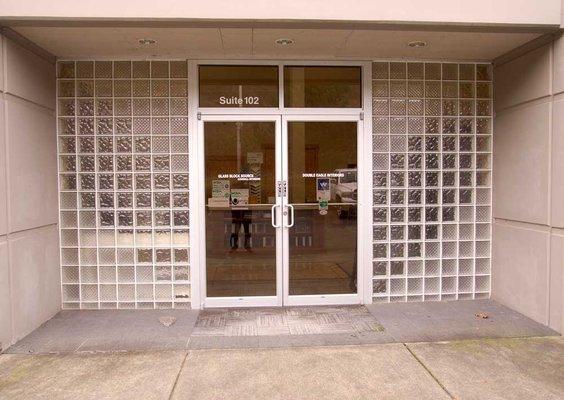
[517, 368]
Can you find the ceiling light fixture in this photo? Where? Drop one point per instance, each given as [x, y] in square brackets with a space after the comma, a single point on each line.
[147, 41]
[417, 43]
[284, 41]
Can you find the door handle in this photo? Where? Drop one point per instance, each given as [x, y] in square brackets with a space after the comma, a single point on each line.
[273, 216]
[291, 208]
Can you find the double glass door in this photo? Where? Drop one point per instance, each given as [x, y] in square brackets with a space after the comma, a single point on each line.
[280, 207]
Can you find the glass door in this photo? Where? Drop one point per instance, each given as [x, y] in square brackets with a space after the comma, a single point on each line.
[320, 165]
[242, 166]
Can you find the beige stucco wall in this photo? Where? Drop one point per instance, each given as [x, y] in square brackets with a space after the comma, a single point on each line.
[528, 238]
[29, 245]
[522, 12]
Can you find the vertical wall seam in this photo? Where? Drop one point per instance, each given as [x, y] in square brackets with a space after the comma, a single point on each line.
[550, 172]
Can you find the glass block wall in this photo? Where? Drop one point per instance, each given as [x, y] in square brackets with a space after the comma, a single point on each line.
[123, 175]
[432, 126]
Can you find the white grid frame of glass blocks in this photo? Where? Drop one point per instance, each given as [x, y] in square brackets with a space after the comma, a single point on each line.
[122, 130]
[432, 174]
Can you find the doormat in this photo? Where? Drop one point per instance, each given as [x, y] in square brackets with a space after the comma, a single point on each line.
[311, 320]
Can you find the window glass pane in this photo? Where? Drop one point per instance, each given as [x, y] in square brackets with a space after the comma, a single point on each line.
[322, 86]
[238, 86]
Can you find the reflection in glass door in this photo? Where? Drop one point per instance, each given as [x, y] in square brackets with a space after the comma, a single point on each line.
[322, 201]
[240, 167]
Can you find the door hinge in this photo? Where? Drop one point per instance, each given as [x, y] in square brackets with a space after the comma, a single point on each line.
[361, 116]
[199, 115]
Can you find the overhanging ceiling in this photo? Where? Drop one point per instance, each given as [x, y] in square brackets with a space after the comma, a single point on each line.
[75, 42]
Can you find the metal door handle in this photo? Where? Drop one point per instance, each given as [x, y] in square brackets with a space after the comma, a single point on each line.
[291, 207]
[273, 216]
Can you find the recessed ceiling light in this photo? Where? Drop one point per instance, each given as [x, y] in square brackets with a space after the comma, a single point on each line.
[417, 43]
[284, 41]
[147, 41]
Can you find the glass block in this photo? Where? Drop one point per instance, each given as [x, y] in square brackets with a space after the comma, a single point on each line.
[466, 90]
[449, 196]
[141, 107]
[414, 144]
[106, 200]
[178, 126]
[483, 126]
[483, 108]
[380, 143]
[484, 90]
[397, 268]
[450, 72]
[124, 181]
[125, 200]
[105, 145]
[379, 268]
[431, 196]
[67, 126]
[398, 143]
[88, 257]
[86, 126]
[414, 214]
[160, 126]
[179, 145]
[380, 125]
[380, 70]
[160, 88]
[397, 126]
[140, 88]
[397, 232]
[414, 232]
[106, 182]
[380, 214]
[85, 107]
[178, 106]
[88, 200]
[380, 161]
[484, 72]
[162, 163]
[106, 218]
[466, 72]
[67, 107]
[415, 71]
[397, 196]
[87, 163]
[65, 69]
[466, 107]
[66, 89]
[398, 89]
[69, 256]
[380, 89]
[141, 69]
[449, 161]
[123, 126]
[161, 181]
[124, 163]
[159, 69]
[163, 273]
[180, 181]
[466, 231]
[450, 107]
[483, 144]
[380, 197]
[465, 178]
[123, 144]
[104, 126]
[431, 161]
[143, 218]
[465, 161]
[449, 214]
[178, 69]
[415, 125]
[180, 218]
[414, 196]
[87, 181]
[482, 266]
[482, 214]
[179, 88]
[397, 250]
[162, 218]
[432, 125]
[431, 232]
[431, 179]
[432, 107]
[380, 232]
[450, 90]
[431, 214]
[397, 179]
[450, 232]
[122, 88]
[142, 163]
[449, 143]
[466, 214]
[398, 70]
[379, 286]
[466, 143]
[415, 89]
[397, 161]
[483, 196]
[432, 71]
[397, 214]
[379, 107]
[159, 107]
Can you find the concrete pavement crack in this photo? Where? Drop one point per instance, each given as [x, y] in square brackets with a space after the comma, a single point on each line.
[429, 371]
[178, 375]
